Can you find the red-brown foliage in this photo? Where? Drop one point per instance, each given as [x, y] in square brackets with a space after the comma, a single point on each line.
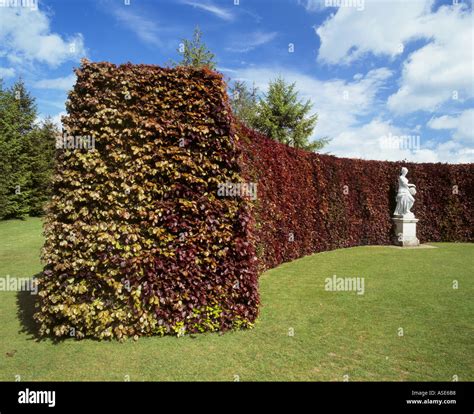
[311, 202]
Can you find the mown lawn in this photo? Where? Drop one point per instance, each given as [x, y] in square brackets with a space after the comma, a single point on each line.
[336, 334]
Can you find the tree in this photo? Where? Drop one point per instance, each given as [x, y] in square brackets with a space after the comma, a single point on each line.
[41, 150]
[244, 102]
[17, 117]
[26, 154]
[283, 117]
[195, 53]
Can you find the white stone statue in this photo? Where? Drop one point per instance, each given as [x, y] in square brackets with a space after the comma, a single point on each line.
[405, 195]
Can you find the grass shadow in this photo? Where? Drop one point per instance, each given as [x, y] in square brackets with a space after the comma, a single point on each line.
[25, 305]
[26, 300]
[25, 309]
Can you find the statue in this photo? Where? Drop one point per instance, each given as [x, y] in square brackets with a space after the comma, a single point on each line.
[405, 195]
[404, 220]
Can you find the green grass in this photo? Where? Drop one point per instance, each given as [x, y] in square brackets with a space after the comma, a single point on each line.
[335, 333]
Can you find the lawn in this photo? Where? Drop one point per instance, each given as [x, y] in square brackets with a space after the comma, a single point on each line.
[304, 332]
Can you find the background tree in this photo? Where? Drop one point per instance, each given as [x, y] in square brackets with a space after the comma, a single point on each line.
[244, 102]
[283, 117]
[26, 154]
[17, 117]
[41, 151]
[195, 53]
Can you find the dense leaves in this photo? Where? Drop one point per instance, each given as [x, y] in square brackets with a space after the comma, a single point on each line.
[138, 240]
[310, 202]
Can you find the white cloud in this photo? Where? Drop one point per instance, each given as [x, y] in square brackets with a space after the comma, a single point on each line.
[25, 36]
[7, 73]
[440, 70]
[220, 12]
[248, 42]
[381, 28]
[431, 75]
[462, 125]
[381, 140]
[65, 83]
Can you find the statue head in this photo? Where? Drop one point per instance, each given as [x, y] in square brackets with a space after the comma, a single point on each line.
[404, 171]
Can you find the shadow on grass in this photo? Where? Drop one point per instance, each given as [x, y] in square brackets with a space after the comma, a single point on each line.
[25, 309]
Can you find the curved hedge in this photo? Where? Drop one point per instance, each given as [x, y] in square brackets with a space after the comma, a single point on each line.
[137, 240]
[311, 202]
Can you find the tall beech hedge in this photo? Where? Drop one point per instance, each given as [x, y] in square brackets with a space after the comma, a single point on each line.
[138, 242]
[310, 202]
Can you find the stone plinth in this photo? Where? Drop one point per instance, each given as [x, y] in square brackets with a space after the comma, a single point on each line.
[405, 231]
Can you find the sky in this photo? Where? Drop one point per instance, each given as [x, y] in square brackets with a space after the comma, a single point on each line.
[389, 79]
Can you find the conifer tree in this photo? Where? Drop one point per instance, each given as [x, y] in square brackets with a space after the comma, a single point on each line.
[195, 53]
[17, 117]
[284, 117]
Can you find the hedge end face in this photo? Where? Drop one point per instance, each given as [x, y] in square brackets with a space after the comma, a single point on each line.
[138, 242]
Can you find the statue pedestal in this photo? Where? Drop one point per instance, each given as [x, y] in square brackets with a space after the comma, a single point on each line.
[405, 231]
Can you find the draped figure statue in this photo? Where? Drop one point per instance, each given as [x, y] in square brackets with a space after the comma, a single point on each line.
[405, 195]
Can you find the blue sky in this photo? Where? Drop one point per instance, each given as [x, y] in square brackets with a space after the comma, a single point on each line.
[390, 79]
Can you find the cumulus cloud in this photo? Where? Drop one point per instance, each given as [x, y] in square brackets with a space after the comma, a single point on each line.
[349, 34]
[462, 125]
[381, 140]
[26, 36]
[443, 69]
[433, 74]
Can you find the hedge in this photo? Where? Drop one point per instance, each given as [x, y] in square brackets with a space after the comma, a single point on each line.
[138, 241]
[311, 202]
